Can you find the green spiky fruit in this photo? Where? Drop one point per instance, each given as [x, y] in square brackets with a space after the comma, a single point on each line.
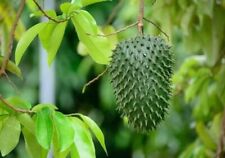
[140, 72]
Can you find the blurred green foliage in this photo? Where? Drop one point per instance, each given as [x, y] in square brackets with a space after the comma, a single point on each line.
[192, 129]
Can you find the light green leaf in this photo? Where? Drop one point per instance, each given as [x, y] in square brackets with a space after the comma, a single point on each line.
[68, 8]
[27, 122]
[62, 124]
[50, 13]
[44, 128]
[9, 135]
[33, 148]
[11, 67]
[19, 103]
[82, 139]
[26, 39]
[96, 130]
[88, 2]
[51, 37]
[74, 153]
[205, 136]
[87, 30]
[39, 107]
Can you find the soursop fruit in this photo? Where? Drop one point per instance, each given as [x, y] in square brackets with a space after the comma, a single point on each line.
[140, 71]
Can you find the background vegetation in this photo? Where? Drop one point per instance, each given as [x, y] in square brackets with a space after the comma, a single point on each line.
[194, 126]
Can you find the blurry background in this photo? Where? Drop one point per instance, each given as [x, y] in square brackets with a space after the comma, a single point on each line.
[196, 30]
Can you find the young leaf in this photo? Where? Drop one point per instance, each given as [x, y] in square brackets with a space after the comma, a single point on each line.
[11, 67]
[39, 107]
[68, 8]
[98, 47]
[82, 139]
[44, 127]
[64, 131]
[51, 38]
[9, 135]
[88, 2]
[26, 39]
[96, 130]
[33, 148]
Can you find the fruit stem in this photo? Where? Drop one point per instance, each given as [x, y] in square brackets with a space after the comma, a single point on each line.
[140, 17]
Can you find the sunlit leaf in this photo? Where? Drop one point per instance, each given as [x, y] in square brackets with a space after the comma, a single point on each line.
[88, 2]
[87, 30]
[64, 131]
[32, 146]
[44, 127]
[26, 39]
[96, 130]
[9, 135]
[51, 37]
[39, 107]
[82, 139]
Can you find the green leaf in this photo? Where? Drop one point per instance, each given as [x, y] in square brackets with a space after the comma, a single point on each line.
[19, 103]
[82, 139]
[98, 47]
[9, 135]
[44, 128]
[33, 148]
[27, 122]
[50, 13]
[62, 124]
[88, 2]
[205, 136]
[96, 130]
[74, 152]
[11, 67]
[26, 39]
[39, 107]
[52, 34]
[51, 37]
[68, 8]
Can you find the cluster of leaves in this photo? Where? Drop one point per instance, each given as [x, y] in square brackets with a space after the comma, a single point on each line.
[44, 128]
[51, 33]
[200, 77]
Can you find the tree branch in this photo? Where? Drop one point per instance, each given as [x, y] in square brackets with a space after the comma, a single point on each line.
[140, 17]
[46, 15]
[93, 80]
[157, 27]
[11, 39]
[13, 107]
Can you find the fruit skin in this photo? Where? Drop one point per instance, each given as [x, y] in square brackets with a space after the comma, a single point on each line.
[140, 71]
